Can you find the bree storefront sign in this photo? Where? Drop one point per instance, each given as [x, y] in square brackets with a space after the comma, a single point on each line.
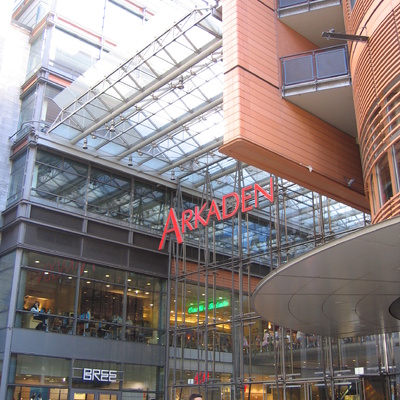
[230, 206]
[98, 375]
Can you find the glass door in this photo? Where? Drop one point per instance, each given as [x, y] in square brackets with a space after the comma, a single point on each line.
[92, 395]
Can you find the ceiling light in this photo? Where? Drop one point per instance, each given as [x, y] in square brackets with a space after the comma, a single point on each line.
[93, 136]
[130, 163]
[172, 176]
[84, 147]
[140, 153]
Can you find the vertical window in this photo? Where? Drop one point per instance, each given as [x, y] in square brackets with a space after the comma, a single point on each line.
[28, 107]
[396, 158]
[17, 179]
[35, 56]
[372, 195]
[6, 277]
[384, 181]
[145, 311]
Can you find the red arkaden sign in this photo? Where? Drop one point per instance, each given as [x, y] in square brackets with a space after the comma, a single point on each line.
[191, 219]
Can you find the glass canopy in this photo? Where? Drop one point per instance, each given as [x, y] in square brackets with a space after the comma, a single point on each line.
[160, 113]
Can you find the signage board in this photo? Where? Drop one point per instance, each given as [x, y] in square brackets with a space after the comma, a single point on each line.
[201, 216]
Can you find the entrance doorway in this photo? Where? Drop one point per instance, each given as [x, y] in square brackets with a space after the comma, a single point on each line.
[94, 395]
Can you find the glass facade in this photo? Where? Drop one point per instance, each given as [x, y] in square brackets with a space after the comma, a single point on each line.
[78, 298]
[129, 312]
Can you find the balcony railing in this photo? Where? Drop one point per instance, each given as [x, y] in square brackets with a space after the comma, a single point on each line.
[289, 3]
[316, 65]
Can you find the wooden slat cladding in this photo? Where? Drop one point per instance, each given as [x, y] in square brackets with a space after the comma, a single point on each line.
[377, 66]
[391, 209]
[356, 15]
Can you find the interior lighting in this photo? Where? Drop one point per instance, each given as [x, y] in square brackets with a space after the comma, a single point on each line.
[130, 161]
[172, 176]
[84, 147]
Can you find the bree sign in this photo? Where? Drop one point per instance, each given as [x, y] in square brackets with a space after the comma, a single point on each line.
[191, 220]
[100, 375]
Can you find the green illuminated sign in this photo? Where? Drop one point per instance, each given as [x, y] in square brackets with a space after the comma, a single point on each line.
[202, 307]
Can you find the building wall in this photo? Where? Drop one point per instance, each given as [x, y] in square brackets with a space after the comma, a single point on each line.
[375, 67]
[263, 129]
[12, 71]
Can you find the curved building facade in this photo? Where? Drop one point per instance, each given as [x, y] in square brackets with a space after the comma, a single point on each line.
[375, 71]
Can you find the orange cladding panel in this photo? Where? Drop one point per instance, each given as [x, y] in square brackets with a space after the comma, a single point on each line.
[266, 131]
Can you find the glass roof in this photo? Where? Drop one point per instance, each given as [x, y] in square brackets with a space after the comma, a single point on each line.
[161, 110]
[160, 113]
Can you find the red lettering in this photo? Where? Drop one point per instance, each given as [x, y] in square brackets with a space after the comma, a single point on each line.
[230, 206]
[175, 228]
[186, 217]
[246, 197]
[226, 215]
[214, 210]
[258, 188]
[198, 217]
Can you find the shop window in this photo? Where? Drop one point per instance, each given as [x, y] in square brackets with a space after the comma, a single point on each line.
[146, 309]
[144, 377]
[54, 295]
[384, 181]
[40, 375]
[100, 309]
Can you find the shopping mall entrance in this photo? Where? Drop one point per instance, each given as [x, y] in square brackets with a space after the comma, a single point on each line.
[94, 395]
